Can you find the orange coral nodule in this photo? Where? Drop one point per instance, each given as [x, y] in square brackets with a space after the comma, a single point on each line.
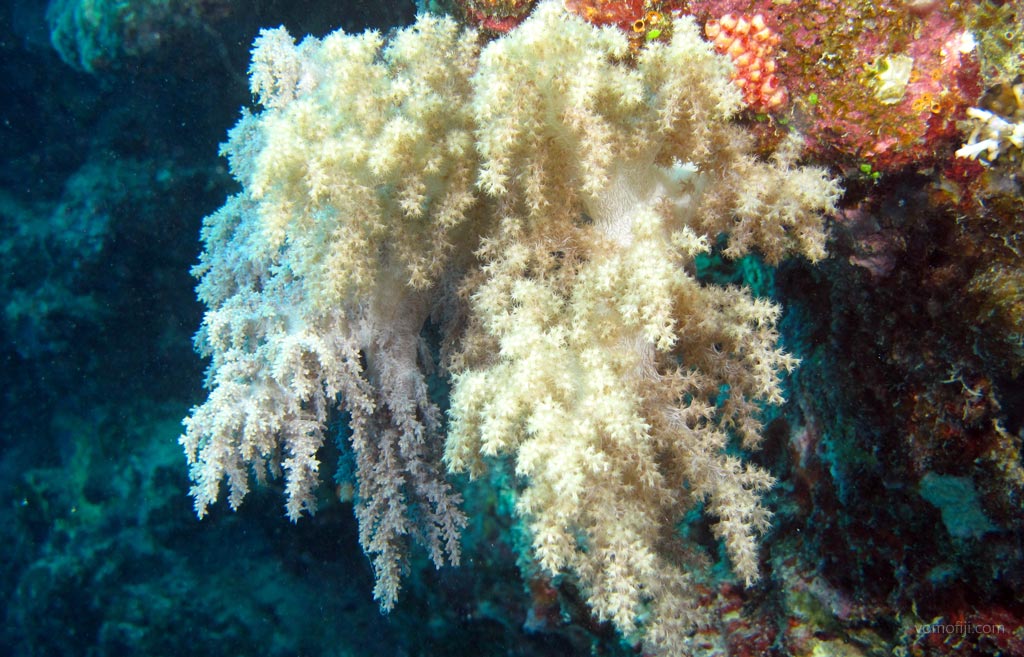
[749, 42]
[765, 35]
[777, 100]
[742, 26]
[735, 49]
[722, 41]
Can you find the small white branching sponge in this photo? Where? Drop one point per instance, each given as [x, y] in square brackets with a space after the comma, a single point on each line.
[543, 199]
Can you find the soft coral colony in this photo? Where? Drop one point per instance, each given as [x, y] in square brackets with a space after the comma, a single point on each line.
[542, 198]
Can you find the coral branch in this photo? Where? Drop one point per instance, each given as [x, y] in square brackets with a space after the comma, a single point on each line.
[544, 198]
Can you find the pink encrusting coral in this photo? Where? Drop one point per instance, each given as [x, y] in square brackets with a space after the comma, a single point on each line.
[882, 83]
[750, 43]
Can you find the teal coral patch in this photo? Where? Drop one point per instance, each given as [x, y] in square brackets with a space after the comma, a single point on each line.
[958, 501]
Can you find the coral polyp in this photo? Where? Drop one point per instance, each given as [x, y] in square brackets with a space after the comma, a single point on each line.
[750, 43]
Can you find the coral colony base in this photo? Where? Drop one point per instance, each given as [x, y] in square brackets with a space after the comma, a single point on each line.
[541, 198]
